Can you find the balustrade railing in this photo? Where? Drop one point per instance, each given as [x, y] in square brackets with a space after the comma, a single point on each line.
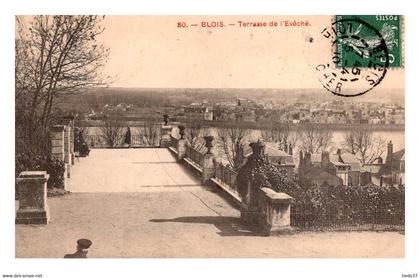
[227, 177]
[174, 142]
[196, 156]
[139, 140]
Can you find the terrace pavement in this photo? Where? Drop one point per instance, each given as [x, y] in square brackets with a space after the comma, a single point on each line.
[140, 203]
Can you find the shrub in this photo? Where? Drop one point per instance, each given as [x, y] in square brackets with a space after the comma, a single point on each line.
[330, 205]
[54, 167]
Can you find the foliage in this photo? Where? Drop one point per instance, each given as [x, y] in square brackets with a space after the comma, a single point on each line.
[321, 206]
[54, 56]
[54, 167]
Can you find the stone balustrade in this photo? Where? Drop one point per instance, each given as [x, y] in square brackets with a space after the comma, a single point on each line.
[182, 143]
[262, 209]
[166, 131]
[209, 162]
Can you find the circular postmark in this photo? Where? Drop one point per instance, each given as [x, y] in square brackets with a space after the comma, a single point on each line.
[359, 59]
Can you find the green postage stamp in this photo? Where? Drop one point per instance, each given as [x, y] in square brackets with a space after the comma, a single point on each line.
[368, 41]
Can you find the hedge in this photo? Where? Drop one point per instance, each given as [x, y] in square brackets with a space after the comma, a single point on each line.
[331, 205]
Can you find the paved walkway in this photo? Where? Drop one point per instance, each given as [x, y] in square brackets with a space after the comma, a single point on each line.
[160, 216]
[129, 170]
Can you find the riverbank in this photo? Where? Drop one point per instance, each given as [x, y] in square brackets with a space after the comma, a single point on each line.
[260, 125]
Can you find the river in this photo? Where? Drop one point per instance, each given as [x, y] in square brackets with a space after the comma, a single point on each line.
[397, 138]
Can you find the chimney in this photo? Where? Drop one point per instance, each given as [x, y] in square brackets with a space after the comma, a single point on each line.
[389, 153]
[285, 147]
[380, 160]
[325, 160]
[339, 152]
[290, 149]
[307, 159]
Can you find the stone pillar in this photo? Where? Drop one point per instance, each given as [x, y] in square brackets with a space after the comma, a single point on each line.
[57, 147]
[70, 123]
[250, 212]
[275, 211]
[57, 142]
[72, 143]
[209, 163]
[67, 151]
[166, 131]
[182, 143]
[32, 191]
[165, 140]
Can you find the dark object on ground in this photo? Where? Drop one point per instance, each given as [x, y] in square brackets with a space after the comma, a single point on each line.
[80, 144]
[80, 253]
[127, 138]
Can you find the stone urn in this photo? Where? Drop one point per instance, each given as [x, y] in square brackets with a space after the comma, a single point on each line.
[181, 131]
[209, 143]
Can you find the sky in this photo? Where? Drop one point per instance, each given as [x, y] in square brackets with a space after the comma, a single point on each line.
[151, 51]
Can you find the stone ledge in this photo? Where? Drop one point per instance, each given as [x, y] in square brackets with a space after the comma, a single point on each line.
[276, 197]
[57, 128]
[33, 175]
[193, 165]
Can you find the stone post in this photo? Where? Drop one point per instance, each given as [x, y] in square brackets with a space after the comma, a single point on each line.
[57, 147]
[209, 165]
[70, 123]
[57, 142]
[181, 146]
[250, 212]
[32, 191]
[275, 209]
[67, 151]
[166, 131]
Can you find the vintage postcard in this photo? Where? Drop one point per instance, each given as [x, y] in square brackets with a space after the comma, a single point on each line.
[210, 136]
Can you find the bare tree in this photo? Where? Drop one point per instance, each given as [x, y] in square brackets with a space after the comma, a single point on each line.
[56, 55]
[195, 133]
[315, 140]
[232, 141]
[150, 131]
[277, 132]
[294, 138]
[112, 131]
[350, 142]
[365, 145]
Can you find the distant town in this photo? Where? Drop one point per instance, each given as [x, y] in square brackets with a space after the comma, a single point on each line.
[182, 108]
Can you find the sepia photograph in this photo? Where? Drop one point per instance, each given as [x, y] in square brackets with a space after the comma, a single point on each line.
[209, 136]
